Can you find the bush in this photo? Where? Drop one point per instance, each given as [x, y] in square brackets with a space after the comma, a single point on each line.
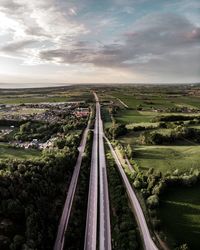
[137, 184]
[153, 201]
[182, 247]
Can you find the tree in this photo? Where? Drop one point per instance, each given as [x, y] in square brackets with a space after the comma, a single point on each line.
[153, 201]
[137, 184]
[60, 143]
[18, 241]
[25, 127]
[129, 151]
[4, 242]
[183, 247]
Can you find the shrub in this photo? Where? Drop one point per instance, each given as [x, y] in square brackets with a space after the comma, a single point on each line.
[153, 201]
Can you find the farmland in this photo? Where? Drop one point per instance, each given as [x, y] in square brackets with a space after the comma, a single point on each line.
[166, 113]
[156, 128]
[44, 96]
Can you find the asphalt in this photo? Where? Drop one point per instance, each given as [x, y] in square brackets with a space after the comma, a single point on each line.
[146, 237]
[104, 208]
[98, 160]
[60, 238]
[91, 221]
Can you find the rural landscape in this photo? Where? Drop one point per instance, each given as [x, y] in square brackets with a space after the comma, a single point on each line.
[100, 167]
[100, 125]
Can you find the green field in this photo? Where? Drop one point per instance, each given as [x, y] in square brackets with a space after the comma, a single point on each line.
[6, 152]
[180, 207]
[31, 99]
[27, 97]
[168, 158]
[131, 138]
[156, 100]
[134, 116]
[106, 118]
[180, 214]
[149, 100]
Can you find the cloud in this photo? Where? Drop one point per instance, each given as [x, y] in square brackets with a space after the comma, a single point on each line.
[17, 46]
[72, 12]
[124, 36]
[152, 38]
[32, 26]
[43, 19]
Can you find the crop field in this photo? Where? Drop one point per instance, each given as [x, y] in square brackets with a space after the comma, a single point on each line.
[7, 152]
[180, 214]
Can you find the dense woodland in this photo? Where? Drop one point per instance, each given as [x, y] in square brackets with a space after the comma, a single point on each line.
[32, 192]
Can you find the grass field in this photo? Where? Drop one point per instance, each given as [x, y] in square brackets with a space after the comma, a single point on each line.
[131, 138]
[148, 101]
[32, 99]
[26, 97]
[168, 158]
[180, 214]
[134, 116]
[7, 152]
[156, 100]
[106, 118]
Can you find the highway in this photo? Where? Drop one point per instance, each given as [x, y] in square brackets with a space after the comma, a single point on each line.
[104, 208]
[98, 160]
[60, 238]
[146, 237]
[91, 221]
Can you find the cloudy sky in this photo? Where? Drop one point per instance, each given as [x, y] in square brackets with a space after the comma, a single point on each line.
[43, 42]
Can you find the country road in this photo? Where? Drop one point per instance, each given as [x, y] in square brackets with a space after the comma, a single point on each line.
[60, 239]
[145, 234]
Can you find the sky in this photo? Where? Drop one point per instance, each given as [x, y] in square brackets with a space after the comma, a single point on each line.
[53, 42]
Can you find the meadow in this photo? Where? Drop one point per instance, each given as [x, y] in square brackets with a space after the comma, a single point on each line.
[180, 215]
[44, 95]
[168, 158]
[7, 152]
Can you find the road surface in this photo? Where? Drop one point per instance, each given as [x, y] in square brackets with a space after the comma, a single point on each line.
[147, 240]
[60, 239]
[104, 208]
[91, 221]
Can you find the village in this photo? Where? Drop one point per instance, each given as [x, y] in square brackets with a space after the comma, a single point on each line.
[51, 113]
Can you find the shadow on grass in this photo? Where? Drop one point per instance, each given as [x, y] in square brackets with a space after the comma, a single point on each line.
[180, 214]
